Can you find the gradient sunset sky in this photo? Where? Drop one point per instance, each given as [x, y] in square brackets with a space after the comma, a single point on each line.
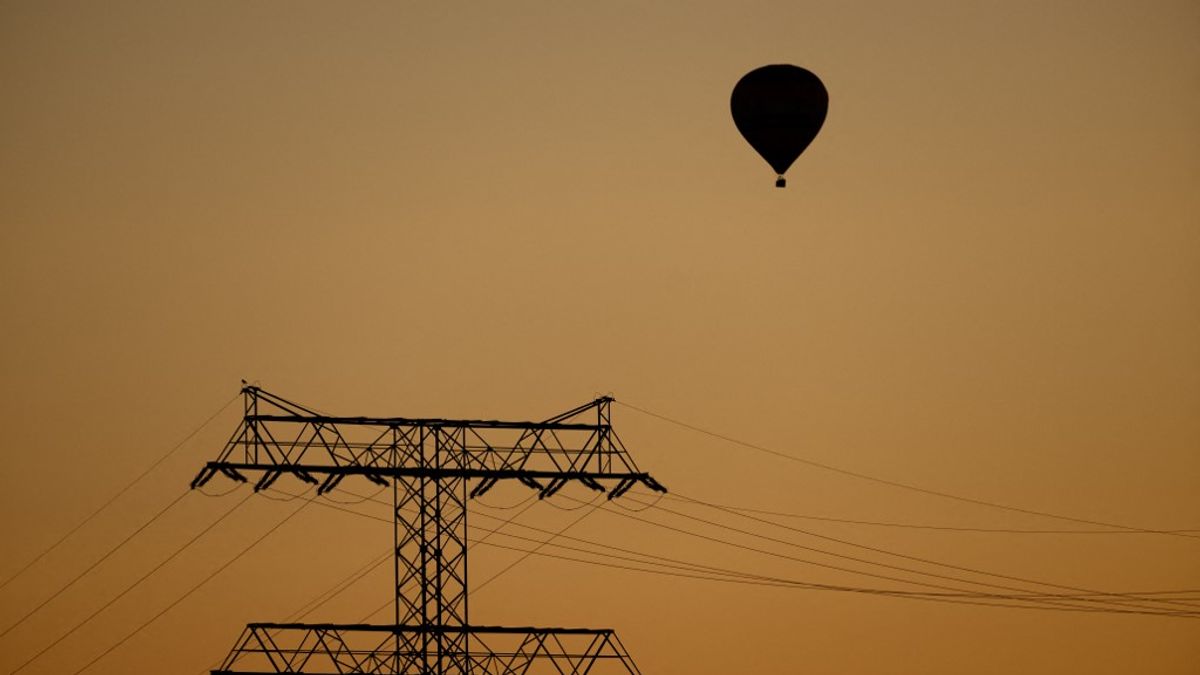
[982, 279]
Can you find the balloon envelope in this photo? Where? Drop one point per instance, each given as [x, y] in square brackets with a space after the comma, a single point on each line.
[779, 109]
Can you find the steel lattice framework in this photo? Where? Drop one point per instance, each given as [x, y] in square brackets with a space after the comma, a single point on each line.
[428, 463]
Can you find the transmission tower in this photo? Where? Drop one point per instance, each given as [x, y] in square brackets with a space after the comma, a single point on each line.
[428, 464]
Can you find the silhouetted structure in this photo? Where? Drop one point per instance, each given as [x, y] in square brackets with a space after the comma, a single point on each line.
[779, 109]
[428, 464]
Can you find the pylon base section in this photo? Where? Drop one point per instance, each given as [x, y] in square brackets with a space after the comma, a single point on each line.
[341, 649]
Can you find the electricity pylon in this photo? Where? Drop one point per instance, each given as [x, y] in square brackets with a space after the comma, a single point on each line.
[428, 464]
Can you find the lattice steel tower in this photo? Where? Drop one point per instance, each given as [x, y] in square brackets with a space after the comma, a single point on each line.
[428, 463]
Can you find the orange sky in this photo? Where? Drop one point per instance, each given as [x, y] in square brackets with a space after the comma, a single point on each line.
[983, 278]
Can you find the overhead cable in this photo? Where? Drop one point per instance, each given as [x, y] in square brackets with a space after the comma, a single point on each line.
[191, 590]
[899, 484]
[927, 561]
[1054, 600]
[130, 587]
[815, 563]
[62, 589]
[947, 598]
[117, 495]
[913, 526]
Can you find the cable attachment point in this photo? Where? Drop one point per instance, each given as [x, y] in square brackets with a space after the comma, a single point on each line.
[203, 477]
[268, 478]
[622, 487]
[591, 483]
[483, 486]
[529, 482]
[554, 486]
[653, 484]
[331, 481]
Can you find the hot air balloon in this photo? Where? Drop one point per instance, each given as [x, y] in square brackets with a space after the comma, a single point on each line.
[779, 109]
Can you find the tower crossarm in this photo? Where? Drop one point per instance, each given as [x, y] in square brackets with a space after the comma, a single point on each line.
[277, 437]
[389, 649]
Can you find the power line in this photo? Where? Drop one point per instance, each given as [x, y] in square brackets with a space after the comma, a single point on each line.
[726, 571]
[1053, 600]
[708, 572]
[756, 579]
[922, 560]
[132, 586]
[339, 588]
[193, 589]
[536, 548]
[914, 526]
[539, 542]
[975, 599]
[952, 598]
[816, 563]
[116, 496]
[898, 484]
[94, 565]
[319, 600]
[1084, 594]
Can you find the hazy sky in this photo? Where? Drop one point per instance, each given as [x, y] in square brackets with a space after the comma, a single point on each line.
[983, 278]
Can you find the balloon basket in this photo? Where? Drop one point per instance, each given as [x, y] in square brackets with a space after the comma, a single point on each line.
[781, 182]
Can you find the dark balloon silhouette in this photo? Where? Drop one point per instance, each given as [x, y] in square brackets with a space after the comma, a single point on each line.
[779, 109]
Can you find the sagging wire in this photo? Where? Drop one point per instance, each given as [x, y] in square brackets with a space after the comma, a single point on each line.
[193, 589]
[526, 500]
[132, 586]
[283, 500]
[120, 492]
[581, 504]
[645, 506]
[328, 497]
[235, 488]
[898, 484]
